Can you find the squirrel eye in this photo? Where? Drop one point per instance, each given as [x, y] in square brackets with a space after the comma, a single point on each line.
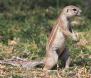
[74, 9]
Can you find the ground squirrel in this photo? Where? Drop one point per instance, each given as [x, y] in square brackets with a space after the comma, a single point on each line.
[56, 48]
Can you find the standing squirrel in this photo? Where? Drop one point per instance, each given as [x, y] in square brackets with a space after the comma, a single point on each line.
[56, 48]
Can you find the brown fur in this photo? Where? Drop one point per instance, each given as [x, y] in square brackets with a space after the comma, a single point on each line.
[56, 43]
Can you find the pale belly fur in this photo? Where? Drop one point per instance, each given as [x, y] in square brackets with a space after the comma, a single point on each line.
[59, 41]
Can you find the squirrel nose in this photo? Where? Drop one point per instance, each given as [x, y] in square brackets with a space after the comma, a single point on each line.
[79, 12]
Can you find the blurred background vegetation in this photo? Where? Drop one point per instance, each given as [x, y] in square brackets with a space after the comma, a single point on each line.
[24, 29]
[26, 24]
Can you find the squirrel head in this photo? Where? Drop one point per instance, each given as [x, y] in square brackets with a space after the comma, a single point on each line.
[70, 11]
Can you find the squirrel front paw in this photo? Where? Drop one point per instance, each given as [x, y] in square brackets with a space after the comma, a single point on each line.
[75, 36]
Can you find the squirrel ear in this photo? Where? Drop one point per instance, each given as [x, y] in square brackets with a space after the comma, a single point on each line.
[67, 10]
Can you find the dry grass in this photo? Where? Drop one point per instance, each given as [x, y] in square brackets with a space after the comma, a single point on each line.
[75, 72]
